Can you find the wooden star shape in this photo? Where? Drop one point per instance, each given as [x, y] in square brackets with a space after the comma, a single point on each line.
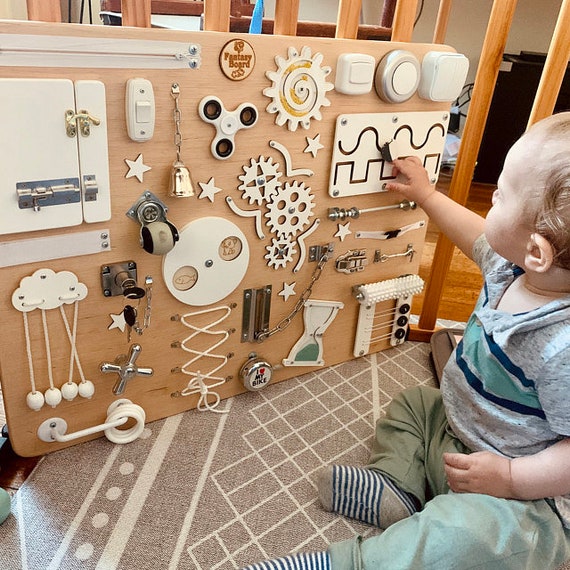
[314, 145]
[288, 290]
[209, 190]
[118, 322]
[136, 168]
[343, 231]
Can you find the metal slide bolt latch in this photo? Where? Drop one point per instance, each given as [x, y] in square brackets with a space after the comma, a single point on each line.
[126, 368]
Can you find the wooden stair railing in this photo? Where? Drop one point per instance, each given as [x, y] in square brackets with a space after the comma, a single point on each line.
[494, 43]
[241, 10]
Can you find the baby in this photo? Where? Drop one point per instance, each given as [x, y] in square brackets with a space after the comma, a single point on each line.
[477, 474]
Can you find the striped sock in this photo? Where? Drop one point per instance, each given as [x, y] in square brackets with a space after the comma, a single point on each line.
[364, 494]
[301, 561]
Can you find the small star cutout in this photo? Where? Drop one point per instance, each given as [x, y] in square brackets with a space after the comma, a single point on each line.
[287, 290]
[314, 145]
[343, 231]
[118, 322]
[136, 168]
[209, 190]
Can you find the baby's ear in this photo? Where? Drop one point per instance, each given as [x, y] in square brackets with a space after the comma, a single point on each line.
[540, 254]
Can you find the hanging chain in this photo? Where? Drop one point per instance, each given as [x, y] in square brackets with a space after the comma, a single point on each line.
[175, 90]
[285, 322]
[148, 308]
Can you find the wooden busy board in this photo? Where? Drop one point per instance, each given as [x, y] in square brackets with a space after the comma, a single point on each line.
[271, 144]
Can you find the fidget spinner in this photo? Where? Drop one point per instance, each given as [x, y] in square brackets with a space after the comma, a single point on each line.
[227, 123]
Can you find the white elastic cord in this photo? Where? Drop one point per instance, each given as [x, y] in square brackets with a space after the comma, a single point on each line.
[197, 384]
[72, 336]
[29, 352]
[48, 349]
[393, 312]
[72, 352]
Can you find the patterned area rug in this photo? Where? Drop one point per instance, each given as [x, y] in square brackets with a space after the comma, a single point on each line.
[207, 491]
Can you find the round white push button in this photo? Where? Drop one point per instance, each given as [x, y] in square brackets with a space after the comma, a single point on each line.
[404, 79]
[397, 76]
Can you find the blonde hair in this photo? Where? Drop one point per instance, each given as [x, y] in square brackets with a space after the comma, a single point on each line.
[552, 219]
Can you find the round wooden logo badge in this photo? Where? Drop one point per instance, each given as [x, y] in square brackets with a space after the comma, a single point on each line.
[237, 59]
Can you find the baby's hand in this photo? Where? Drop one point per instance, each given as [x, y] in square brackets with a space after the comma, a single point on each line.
[417, 188]
[481, 472]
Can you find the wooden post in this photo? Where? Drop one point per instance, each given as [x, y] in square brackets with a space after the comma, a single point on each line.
[286, 16]
[403, 24]
[554, 67]
[44, 10]
[217, 15]
[135, 13]
[500, 21]
[442, 21]
[348, 19]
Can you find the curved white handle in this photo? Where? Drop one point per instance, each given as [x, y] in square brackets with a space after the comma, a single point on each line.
[118, 414]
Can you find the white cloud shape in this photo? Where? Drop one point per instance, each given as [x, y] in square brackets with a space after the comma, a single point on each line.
[46, 289]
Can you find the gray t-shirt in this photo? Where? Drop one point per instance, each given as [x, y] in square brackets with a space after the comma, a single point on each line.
[506, 388]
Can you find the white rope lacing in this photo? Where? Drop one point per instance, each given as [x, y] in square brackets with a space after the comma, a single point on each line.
[209, 399]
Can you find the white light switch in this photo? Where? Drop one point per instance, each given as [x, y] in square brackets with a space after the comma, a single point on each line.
[143, 112]
[354, 73]
[139, 105]
[443, 76]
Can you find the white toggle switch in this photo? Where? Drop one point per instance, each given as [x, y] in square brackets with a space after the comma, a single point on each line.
[443, 76]
[354, 73]
[143, 112]
[139, 103]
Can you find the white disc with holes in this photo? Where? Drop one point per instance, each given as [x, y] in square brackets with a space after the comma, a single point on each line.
[208, 262]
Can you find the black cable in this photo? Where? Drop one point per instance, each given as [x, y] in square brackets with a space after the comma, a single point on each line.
[419, 13]
[81, 11]
[464, 98]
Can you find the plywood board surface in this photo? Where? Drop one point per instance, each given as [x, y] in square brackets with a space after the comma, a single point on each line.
[278, 109]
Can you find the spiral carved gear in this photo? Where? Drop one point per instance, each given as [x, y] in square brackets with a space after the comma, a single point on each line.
[299, 88]
[260, 181]
[290, 210]
[280, 252]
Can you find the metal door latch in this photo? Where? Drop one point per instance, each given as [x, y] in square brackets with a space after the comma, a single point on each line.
[83, 119]
[383, 257]
[352, 261]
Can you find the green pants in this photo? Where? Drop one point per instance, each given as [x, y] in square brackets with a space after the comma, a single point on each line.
[452, 531]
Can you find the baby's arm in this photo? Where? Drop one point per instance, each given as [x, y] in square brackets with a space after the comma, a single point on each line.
[544, 474]
[462, 226]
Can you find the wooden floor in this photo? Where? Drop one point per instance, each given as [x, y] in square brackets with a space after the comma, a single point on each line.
[460, 293]
[463, 282]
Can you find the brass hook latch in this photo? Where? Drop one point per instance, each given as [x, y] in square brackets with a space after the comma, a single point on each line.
[83, 119]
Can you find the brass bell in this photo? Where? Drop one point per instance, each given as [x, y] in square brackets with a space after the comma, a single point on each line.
[180, 182]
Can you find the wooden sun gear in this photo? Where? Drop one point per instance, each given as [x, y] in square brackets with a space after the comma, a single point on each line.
[221, 281]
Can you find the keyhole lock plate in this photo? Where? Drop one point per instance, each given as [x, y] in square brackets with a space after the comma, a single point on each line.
[116, 276]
